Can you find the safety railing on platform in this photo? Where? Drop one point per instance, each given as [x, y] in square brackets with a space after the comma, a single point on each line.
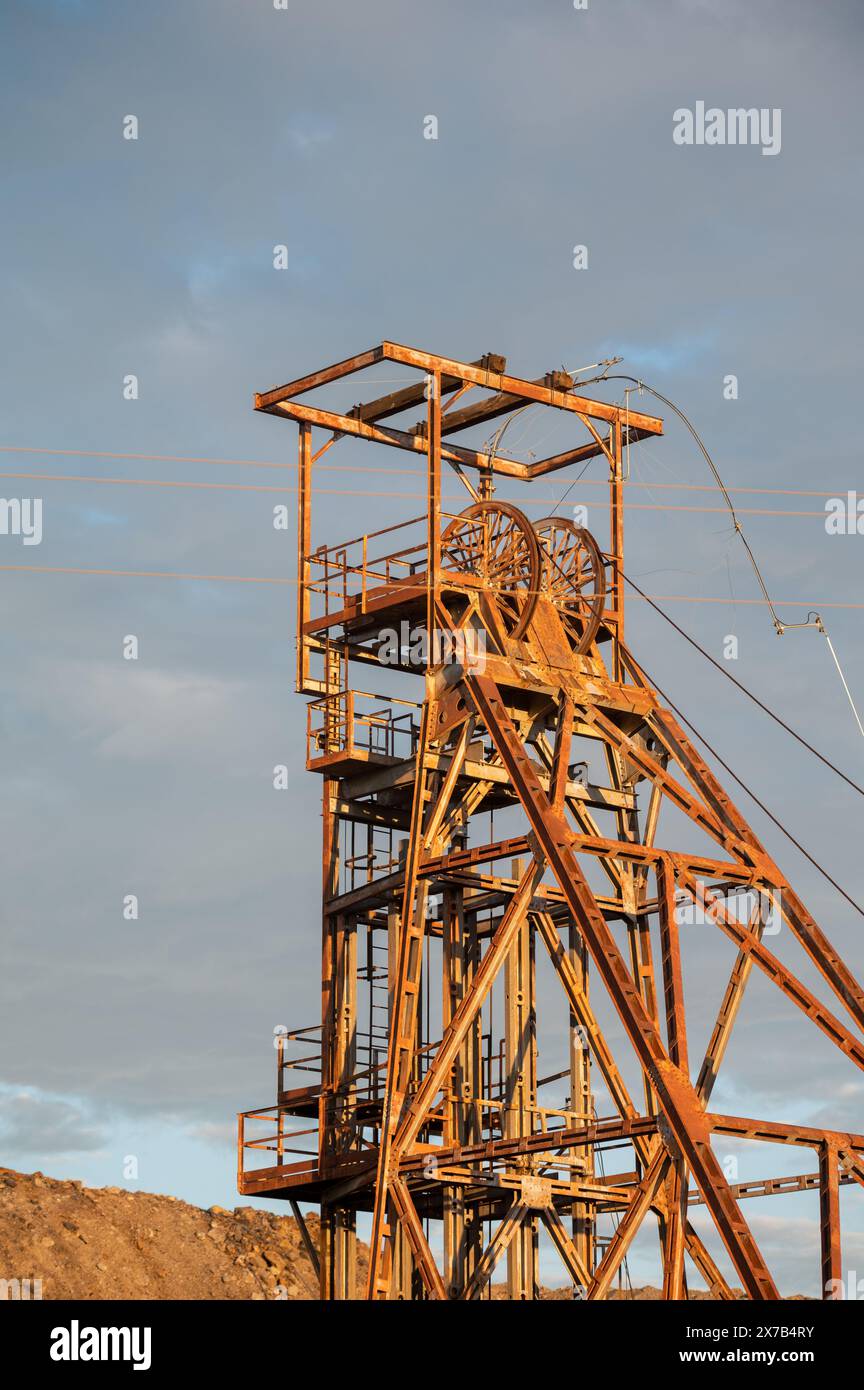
[349, 721]
[355, 568]
[298, 1057]
[281, 1145]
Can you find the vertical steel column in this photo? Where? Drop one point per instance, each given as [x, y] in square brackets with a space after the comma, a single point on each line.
[338, 1253]
[404, 1002]
[829, 1219]
[343, 1062]
[433, 448]
[520, 1092]
[304, 533]
[339, 1065]
[581, 1100]
[329, 889]
[462, 1235]
[401, 1275]
[616, 544]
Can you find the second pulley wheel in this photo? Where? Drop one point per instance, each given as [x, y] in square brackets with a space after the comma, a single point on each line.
[572, 577]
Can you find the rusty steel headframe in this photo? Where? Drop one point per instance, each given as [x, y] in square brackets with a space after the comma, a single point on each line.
[426, 1106]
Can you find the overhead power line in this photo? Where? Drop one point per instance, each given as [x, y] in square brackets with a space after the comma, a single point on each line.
[839, 491]
[180, 483]
[750, 696]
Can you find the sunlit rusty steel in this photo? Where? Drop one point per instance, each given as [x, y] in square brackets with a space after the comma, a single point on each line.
[419, 1098]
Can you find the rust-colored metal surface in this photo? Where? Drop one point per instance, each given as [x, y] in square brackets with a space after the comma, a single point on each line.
[457, 962]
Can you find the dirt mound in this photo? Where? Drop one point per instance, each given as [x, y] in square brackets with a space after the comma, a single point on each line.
[107, 1242]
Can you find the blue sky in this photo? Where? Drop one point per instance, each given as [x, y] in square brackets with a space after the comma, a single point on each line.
[155, 257]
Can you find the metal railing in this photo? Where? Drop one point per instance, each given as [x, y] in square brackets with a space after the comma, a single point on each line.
[351, 569]
[343, 571]
[309, 1042]
[338, 723]
[277, 1142]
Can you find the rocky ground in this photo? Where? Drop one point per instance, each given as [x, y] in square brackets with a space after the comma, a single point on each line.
[108, 1242]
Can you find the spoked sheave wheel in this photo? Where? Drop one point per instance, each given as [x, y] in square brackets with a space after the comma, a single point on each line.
[495, 542]
[572, 577]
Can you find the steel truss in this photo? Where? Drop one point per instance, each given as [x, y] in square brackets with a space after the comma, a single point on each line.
[422, 1114]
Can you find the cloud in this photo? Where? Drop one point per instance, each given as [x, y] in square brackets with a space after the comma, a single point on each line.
[33, 1122]
[221, 1134]
[678, 354]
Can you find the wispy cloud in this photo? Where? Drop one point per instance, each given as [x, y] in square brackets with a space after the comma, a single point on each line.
[675, 355]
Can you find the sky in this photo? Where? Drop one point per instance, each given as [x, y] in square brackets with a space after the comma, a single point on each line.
[260, 127]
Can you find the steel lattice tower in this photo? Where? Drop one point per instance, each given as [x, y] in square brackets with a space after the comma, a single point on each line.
[427, 1106]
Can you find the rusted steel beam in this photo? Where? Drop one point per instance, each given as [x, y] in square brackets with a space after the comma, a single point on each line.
[346, 367]
[773, 1132]
[494, 1250]
[413, 1228]
[581, 454]
[433, 502]
[674, 1228]
[516, 386]
[673, 984]
[852, 1166]
[776, 1187]
[500, 404]
[791, 986]
[566, 1248]
[397, 439]
[558, 780]
[704, 1262]
[397, 401]
[727, 1014]
[600, 1133]
[599, 847]
[488, 373]
[829, 1220]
